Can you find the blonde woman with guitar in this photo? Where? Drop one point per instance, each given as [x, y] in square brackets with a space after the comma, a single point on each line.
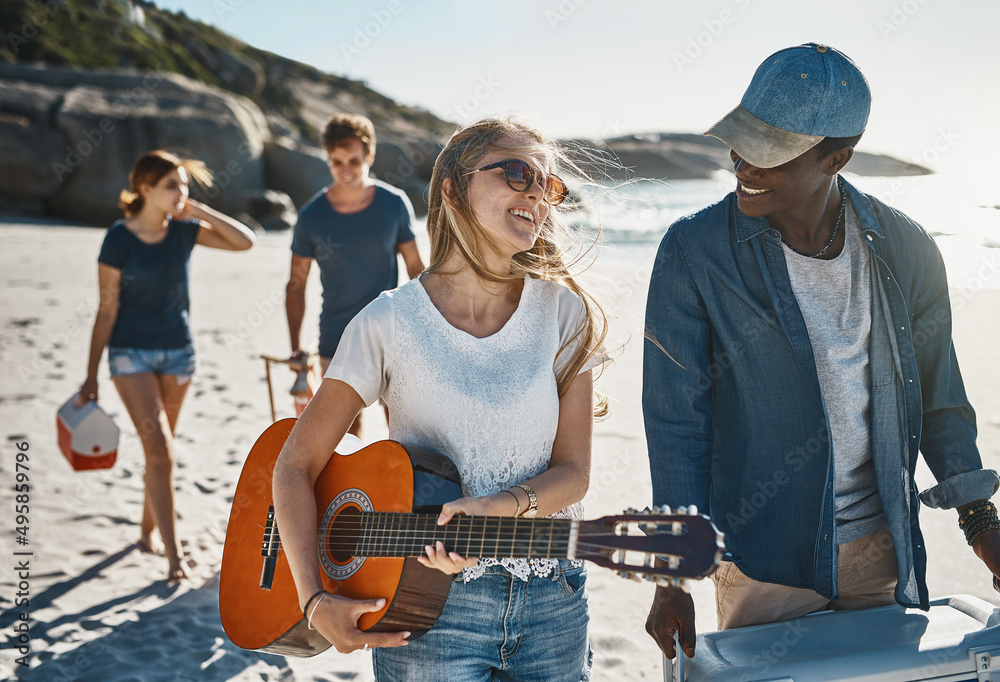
[486, 357]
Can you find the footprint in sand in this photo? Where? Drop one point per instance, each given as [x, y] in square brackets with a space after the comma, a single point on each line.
[91, 624]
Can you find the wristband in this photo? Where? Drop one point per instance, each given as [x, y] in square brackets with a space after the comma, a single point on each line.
[315, 606]
[516, 501]
[309, 601]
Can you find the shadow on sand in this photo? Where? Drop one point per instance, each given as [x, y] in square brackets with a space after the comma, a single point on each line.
[165, 631]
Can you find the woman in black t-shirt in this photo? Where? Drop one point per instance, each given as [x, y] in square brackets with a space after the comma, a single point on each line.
[143, 314]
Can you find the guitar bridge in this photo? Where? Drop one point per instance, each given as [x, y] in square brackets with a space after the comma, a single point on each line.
[269, 550]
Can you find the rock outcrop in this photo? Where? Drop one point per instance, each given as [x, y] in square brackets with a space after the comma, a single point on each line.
[86, 128]
[679, 156]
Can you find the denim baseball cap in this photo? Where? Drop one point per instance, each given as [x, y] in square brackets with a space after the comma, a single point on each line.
[797, 97]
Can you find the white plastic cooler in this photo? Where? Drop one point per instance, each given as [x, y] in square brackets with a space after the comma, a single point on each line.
[88, 437]
[958, 640]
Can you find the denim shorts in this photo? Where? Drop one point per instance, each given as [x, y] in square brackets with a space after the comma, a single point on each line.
[499, 627]
[179, 361]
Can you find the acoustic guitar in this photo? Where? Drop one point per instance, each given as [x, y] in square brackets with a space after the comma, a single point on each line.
[376, 510]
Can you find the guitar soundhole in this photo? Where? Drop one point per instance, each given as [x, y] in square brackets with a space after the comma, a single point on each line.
[339, 533]
[344, 533]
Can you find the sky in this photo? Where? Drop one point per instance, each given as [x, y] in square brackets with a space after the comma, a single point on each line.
[601, 68]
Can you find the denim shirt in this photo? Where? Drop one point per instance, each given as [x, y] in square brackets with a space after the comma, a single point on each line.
[735, 419]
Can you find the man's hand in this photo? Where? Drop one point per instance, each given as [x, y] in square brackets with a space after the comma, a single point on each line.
[672, 611]
[987, 548]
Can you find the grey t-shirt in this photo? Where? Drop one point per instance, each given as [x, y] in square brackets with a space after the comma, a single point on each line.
[355, 253]
[835, 297]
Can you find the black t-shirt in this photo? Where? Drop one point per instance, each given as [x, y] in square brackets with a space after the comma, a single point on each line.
[153, 300]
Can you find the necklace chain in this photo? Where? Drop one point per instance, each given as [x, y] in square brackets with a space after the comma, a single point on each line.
[836, 226]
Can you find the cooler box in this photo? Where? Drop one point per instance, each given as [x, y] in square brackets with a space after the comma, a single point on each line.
[958, 640]
[88, 437]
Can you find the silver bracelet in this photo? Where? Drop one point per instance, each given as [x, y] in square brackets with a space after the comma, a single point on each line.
[310, 617]
[516, 501]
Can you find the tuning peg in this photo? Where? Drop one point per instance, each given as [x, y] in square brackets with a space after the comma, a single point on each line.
[664, 509]
[633, 512]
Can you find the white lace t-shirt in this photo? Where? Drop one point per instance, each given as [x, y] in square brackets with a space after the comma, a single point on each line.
[491, 404]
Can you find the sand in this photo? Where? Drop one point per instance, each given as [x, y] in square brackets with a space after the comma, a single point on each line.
[100, 609]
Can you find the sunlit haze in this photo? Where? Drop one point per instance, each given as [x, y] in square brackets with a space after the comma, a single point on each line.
[600, 68]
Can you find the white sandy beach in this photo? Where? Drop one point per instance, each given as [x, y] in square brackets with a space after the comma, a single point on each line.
[100, 610]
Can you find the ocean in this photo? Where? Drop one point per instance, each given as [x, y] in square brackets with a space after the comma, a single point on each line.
[962, 215]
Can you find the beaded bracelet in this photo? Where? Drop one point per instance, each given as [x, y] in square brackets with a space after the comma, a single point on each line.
[979, 521]
[971, 536]
[980, 517]
[978, 528]
[981, 514]
[980, 508]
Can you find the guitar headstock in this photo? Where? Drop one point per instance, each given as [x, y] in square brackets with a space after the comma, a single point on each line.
[659, 545]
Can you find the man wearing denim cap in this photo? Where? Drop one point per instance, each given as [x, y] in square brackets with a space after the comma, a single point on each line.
[798, 357]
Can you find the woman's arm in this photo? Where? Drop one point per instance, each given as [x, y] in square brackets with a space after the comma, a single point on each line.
[307, 450]
[218, 230]
[567, 479]
[108, 287]
[564, 482]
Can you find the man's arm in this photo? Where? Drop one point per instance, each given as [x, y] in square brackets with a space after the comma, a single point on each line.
[411, 257]
[677, 409]
[948, 429]
[295, 298]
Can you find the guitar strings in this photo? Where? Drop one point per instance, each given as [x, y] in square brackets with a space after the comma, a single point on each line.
[409, 533]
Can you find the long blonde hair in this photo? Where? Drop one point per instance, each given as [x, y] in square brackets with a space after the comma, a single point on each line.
[453, 227]
[149, 169]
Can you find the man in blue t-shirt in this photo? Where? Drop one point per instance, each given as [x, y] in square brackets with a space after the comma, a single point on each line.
[353, 229]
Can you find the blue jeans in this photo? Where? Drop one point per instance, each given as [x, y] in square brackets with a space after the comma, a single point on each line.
[499, 627]
[179, 361]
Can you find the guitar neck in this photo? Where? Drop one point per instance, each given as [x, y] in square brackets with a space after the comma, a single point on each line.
[389, 534]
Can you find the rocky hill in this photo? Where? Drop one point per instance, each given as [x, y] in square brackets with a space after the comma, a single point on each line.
[113, 34]
[140, 77]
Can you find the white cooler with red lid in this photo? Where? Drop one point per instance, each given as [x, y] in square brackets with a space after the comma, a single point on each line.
[957, 640]
[88, 437]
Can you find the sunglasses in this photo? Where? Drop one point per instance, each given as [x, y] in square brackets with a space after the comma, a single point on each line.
[520, 176]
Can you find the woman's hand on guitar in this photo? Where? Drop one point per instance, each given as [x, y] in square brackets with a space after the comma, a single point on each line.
[453, 562]
[444, 561]
[336, 618]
